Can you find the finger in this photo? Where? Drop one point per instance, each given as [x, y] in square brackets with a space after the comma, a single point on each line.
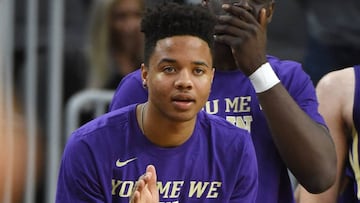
[138, 187]
[145, 177]
[234, 31]
[233, 22]
[242, 12]
[151, 170]
[229, 40]
[263, 18]
[136, 197]
[152, 181]
[226, 30]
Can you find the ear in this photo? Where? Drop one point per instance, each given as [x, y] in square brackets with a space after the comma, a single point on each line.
[144, 73]
[213, 73]
[270, 11]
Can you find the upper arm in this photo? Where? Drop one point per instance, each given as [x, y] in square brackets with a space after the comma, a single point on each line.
[335, 95]
[78, 179]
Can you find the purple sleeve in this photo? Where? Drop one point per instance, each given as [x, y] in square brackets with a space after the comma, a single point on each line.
[78, 179]
[129, 91]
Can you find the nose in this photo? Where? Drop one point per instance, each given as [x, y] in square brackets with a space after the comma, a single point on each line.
[184, 80]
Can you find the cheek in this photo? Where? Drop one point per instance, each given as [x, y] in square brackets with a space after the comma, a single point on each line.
[204, 88]
[159, 86]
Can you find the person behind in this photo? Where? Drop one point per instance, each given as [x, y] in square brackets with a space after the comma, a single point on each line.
[333, 37]
[14, 144]
[116, 42]
[198, 157]
[273, 99]
[12, 147]
[339, 103]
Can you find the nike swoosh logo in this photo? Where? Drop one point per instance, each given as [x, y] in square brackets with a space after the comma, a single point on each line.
[123, 163]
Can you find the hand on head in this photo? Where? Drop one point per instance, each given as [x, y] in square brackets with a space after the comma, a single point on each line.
[245, 33]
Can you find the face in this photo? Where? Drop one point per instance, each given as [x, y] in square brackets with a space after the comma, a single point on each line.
[253, 6]
[179, 77]
[125, 22]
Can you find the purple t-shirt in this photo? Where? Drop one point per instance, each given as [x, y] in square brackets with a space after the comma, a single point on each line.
[350, 194]
[104, 158]
[233, 98]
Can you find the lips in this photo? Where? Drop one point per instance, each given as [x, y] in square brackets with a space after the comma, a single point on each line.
[183, 101]
[183, 97]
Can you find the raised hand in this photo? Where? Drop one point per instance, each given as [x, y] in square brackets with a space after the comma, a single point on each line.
[245, 34]
[145, 189]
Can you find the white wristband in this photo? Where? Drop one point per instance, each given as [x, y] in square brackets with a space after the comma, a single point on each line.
[263, 78]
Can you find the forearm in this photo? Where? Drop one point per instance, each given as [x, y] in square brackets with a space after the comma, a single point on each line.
[305, 146]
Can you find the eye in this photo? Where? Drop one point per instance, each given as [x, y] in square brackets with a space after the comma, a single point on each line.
[169, 69]
[199, 71]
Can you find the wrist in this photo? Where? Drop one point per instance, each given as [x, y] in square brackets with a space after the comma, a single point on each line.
[264, 78]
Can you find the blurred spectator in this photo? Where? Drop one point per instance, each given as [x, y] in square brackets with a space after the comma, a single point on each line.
[116, 42]
[152, 3]
[13, 150]
[74, 66]
[333, 35]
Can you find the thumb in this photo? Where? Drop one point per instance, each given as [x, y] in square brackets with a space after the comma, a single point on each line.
[153, 178]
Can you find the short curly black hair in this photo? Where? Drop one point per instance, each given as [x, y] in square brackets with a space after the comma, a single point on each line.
[173, 19]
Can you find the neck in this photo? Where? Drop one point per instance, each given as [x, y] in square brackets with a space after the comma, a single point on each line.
[162, 131]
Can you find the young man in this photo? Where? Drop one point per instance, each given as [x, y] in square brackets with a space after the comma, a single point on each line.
[273, 99]
[339, 103]
[198, 157]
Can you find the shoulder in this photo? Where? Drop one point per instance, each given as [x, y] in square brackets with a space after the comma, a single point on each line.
[131, 84]
[292, 76]
[337, 88]
[286, 68]
[336, 80]
[336, 92]
[104, 126]
[133, 77]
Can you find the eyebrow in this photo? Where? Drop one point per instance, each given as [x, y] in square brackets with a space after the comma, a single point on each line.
[168, 60]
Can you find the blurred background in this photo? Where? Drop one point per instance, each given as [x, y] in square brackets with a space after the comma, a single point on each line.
[60, 62]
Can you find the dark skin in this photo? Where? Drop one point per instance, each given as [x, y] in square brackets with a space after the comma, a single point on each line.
[304, 145]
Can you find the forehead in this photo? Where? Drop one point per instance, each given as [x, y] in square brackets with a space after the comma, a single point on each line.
[127, 5]
[182, 48]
